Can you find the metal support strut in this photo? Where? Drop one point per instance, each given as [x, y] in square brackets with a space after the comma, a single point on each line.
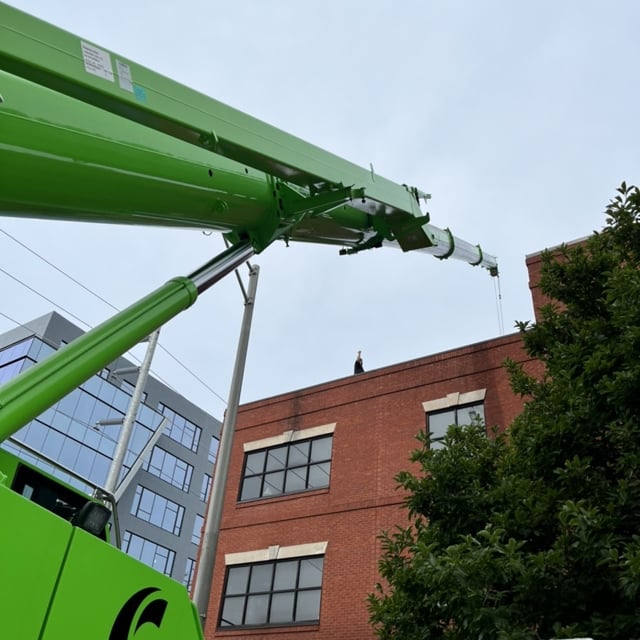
[132, 411]
[204, 577]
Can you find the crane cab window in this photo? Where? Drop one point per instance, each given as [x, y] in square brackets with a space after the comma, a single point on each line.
[55, 497]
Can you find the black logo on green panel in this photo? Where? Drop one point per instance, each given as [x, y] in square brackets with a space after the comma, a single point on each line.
[142, 607]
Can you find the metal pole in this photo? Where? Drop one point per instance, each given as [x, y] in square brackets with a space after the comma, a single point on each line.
[129, 419]
[204, 576]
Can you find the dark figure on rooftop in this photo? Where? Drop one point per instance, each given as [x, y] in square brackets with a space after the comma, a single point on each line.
[357, 366]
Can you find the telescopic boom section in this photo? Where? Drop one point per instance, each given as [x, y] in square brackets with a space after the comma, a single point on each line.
[86, 134]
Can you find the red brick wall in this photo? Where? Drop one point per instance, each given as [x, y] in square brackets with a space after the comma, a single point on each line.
[534, 265]
[377, 416]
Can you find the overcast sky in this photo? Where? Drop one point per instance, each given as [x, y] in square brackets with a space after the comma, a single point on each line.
[519, 118]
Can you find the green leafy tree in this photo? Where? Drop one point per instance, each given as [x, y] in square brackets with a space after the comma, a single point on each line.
[536, 534]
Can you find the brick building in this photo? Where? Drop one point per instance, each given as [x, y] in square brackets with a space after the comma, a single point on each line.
[310, 486]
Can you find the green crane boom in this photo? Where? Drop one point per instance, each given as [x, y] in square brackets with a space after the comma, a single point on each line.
[88, 135]
[74, 111]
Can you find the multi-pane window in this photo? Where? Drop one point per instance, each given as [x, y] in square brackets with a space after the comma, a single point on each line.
[169, 468]
[129, 388]
[180, 429]
[205, 489]
[273, 593]
[11, 370]
[295, 466]
[213, 449]
[81, 430]
[17, 357]
[197, 529]
[15, 351]
[72, 431]
[439, 421]
[188, 573]
[41, 463]
[156, 556]
[158, 510]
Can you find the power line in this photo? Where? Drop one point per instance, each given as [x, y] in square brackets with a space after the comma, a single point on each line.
[18, 324]
[53, 266]
[99, 297]
[49, 300]
[198, 378]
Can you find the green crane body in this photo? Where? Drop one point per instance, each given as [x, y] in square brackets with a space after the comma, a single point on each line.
[87, 135]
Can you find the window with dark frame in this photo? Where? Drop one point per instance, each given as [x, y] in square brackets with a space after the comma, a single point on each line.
[273, 593]
[129, 388]
[169, 468]
[439, 421]
[188, 573]
[196, 533]
[152, 554]
[205, 488]
[158, 510]
[213, 449]
[292, 467]
[180, 429]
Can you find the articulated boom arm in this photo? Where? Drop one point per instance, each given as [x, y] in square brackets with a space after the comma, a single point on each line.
[112, 141]
[86, 134]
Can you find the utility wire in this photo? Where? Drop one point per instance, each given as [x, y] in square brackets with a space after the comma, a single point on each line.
[53, 266]
[99, 297]
[198, 378]
[49, 300]
[86, 324]
[18, 324]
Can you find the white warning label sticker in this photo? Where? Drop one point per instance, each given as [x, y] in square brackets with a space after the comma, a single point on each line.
[124, 76]
[97, 61]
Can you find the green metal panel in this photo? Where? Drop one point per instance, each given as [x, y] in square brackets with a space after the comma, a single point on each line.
[65, 159]
[92, 165]
[103, 593]
[33, 543]
[8, 466]
[60, 582]
[40, 386]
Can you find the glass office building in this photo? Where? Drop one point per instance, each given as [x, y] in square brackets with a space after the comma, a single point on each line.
[162, 508]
